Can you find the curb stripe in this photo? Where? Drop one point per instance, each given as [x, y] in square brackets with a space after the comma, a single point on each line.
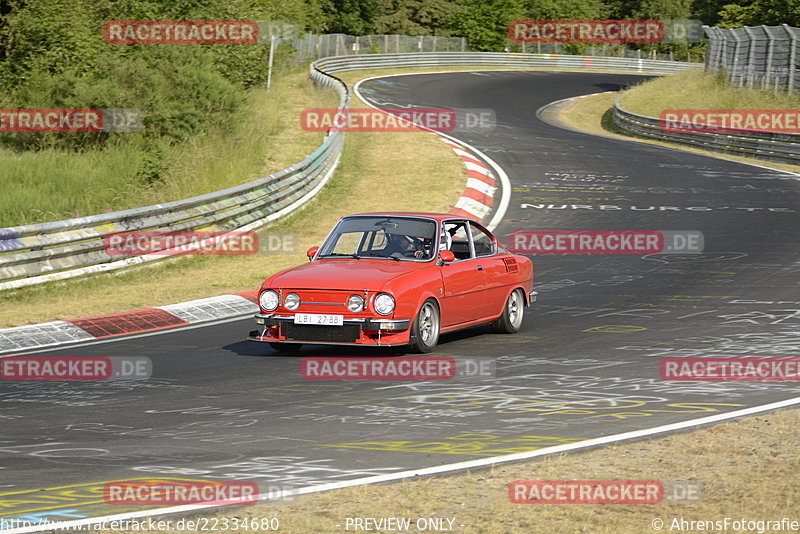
[128, 322]
[478, 196]
[480, 186]
[472, 161]
[485, 178]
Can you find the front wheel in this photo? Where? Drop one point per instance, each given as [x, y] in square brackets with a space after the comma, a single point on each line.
[286, 347]
[511, 320]
[425, 330]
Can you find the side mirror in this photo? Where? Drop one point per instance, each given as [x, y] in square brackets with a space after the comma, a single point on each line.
[312, 252]
[447, 256]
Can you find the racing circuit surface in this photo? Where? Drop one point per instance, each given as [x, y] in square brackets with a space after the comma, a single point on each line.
[585, 364]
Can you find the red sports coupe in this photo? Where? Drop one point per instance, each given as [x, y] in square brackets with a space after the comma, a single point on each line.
[389, 279]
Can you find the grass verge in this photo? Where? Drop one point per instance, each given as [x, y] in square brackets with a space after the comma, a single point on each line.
[694, 89]
[53, 184]
[593, 114]
[748, 470]
[423, 174]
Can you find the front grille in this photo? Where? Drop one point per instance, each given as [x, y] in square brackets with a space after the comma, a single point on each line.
[347, 333]
[323, 301]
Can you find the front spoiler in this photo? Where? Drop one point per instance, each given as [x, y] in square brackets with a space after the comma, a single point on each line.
[255, 335]
[385, 332]
[394, 325]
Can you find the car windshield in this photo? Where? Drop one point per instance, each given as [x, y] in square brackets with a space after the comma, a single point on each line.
[397, 238]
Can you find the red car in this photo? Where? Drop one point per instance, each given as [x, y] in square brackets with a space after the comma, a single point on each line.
[389, 279]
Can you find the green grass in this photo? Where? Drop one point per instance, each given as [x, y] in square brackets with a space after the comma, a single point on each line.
[58, 184]
[694, 89]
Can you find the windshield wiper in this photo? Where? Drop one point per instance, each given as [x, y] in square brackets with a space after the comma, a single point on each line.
[356, 256]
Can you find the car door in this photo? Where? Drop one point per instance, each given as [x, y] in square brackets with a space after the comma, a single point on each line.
[463, 279]
[495, 270]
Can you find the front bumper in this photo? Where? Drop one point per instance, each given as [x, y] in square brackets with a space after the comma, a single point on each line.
[355, 331]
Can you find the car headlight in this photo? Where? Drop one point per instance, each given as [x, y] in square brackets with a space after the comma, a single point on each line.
[384, 304]
[355, 303]
[269, 300]
[292, 301]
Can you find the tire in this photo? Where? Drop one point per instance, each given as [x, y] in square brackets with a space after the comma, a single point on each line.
[511, 320]
[286, 347]
[425, 330]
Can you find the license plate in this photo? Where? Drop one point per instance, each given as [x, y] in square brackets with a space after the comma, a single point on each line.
[319, 318]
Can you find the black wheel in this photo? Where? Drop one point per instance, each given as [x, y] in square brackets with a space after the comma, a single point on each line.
[511, 320]
[286, 347]
[425, 330]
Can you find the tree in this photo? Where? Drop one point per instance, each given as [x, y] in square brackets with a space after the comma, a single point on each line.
[565, 9]
[769, 12]
[414, 17]
[353, 17]
[485, 23]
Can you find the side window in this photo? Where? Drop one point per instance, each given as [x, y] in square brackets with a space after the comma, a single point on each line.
[484, 246]
[459, 240]
[377, 242]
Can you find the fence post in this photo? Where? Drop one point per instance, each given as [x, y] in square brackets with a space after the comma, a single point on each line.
[770, 58]
[735, 59]
[751, 60]
[272, 42]
[792, 58]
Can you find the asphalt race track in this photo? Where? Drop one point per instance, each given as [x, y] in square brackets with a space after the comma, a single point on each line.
[585, 364]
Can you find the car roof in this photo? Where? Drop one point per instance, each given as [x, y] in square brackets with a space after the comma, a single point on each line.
[436, 216]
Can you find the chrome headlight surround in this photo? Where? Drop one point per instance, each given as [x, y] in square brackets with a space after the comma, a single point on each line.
[355, 303]
[269, 300]
[291, 301]
[384, 304]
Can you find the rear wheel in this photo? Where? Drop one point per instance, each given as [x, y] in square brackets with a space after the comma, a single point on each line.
[425, 330]
[511, 320]
[286, 347]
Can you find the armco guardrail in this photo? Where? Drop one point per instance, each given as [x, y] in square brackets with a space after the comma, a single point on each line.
[499, 59]
[44, 252]
[782, 147]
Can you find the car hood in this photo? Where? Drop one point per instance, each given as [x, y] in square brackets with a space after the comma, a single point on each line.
[369, 274]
